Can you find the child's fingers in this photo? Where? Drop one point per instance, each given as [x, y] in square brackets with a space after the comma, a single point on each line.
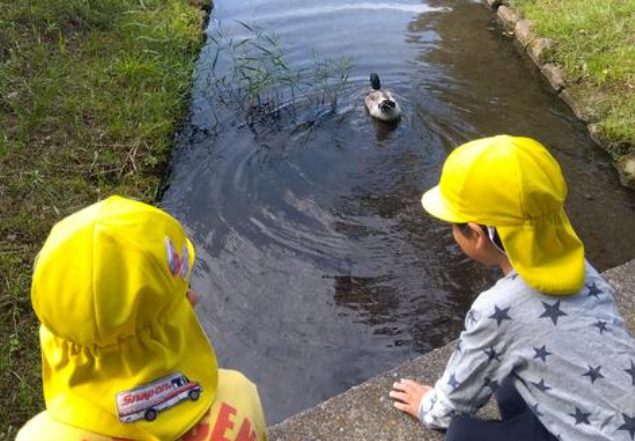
[408, 395]
[409, 383]
[399, 386]
[192, 297]
[397, 395]
[407, 408]
[401, 406]
[406, 386]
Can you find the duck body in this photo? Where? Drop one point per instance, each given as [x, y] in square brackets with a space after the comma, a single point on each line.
[380, 103]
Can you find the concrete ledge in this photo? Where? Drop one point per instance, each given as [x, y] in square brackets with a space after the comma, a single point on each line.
[622, 278]
[365, 412]
[540, 51]
[523, 33]
[507, 16]
[555, 76]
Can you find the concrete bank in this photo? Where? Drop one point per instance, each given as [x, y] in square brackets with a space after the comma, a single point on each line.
[365, 412]
[539, 50]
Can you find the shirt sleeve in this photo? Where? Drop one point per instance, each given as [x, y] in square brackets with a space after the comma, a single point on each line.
[477, 367]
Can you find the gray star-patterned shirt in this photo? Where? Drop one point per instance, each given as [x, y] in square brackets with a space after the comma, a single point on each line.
[571, 359]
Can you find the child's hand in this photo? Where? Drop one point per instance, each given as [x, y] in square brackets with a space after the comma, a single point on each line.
[408, 395]
[192, 297]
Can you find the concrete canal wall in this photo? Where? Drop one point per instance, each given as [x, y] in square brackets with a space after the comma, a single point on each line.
[539, 50]
[365, 412]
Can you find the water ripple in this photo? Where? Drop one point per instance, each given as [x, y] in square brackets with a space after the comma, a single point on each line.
[301, 13]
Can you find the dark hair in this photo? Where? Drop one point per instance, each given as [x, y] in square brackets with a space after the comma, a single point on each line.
[466, 231]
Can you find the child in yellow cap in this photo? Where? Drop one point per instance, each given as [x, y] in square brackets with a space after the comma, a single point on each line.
[546, 339]
[123, 354]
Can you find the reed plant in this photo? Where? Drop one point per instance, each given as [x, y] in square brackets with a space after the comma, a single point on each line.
[249, 73]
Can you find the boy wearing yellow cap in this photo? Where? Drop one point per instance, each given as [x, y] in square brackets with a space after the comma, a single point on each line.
[123, 354]
[546, 339]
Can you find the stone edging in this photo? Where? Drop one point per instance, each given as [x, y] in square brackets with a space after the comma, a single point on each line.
[365, 412]
[538, 49]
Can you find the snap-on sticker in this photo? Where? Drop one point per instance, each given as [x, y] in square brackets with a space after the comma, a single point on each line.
[178, 265]
[146, 401]
[174, 261]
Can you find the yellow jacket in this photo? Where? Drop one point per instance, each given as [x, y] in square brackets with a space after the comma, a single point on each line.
[235, 415]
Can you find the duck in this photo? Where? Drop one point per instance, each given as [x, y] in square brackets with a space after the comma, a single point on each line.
[380, 103]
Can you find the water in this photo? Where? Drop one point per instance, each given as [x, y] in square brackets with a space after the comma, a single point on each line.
[317, 266]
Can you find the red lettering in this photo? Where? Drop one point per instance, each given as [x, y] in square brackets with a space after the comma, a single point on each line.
[128, 399]
[223, 422]
[245, 433]
[198, 432]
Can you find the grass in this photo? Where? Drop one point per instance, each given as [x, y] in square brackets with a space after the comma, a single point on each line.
[595, 44]
[91, 93]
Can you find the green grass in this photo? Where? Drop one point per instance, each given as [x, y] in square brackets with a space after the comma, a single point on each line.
[595, 44]
[91, 93]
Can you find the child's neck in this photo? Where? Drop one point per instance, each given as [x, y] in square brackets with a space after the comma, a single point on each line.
[505, 265]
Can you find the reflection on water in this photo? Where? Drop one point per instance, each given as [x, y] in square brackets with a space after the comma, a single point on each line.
[317, 265]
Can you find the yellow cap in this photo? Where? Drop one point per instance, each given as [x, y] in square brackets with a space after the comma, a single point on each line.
[109, 289]
[515, 185]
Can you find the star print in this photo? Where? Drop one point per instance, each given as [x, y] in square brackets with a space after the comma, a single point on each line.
[500, 315]
[580, 416]
[594, 290]
[471, 317]
[451, 413]
[631, 372]
[514, 276]
[552, 311]
[492, 384]
[601, 325]
[492, 354]
[536, 411]
[433, 401]
[542, 353]
[541, 386]
[593, 373]
[453, 383]
[629, 424]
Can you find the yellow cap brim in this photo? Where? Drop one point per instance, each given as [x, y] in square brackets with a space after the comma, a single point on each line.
[435, 204]
[546, 253]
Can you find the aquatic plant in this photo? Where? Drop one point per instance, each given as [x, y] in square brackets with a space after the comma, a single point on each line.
[250, 74]
[331, 75]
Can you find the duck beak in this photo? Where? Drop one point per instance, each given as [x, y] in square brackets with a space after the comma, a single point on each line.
[387, 105]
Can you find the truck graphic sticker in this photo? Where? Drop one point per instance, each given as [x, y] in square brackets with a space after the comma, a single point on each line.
[146, 401]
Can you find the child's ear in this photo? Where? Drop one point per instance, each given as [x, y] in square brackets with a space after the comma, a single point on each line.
[477, 234]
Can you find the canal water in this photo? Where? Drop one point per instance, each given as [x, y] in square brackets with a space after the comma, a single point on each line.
[317, 267]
